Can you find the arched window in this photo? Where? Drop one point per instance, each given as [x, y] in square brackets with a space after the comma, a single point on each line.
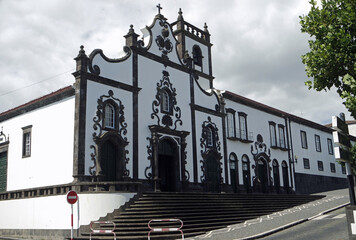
[197, 56]
[209, 137]
[109, 116]
[166, 105]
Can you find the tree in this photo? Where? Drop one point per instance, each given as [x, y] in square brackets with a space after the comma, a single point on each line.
[332, 57]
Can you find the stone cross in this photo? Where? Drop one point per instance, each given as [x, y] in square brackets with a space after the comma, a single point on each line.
[159, 8]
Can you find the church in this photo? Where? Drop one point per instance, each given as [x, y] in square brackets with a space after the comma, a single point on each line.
[150, 120]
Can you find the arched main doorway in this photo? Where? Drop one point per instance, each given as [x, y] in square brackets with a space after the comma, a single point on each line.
[168, 167]
[262, 175]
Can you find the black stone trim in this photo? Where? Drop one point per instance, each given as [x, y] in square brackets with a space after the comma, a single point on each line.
[171, 118]
[207, 150]
[194, 137]
[80, 115]
[167, 62]
[53, 234]
[151, 172]
[308, 183]
[206, 110]
[112, 83]
[79, 128]
[135, 111]
[3, 138]
[96, 69]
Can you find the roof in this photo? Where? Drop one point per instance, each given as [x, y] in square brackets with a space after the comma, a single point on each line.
[265, 108]
[38, 102]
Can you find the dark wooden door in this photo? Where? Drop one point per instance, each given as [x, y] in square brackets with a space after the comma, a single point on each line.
[213, 174]
[108, 161]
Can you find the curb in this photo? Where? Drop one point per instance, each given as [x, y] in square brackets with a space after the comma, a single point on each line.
[289, 225]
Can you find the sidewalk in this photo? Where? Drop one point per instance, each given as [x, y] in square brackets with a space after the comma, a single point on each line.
[268, 224]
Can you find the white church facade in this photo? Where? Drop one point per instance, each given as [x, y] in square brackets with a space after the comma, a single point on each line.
[151, 121]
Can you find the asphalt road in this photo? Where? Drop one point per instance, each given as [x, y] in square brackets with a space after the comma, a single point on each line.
[331, 226]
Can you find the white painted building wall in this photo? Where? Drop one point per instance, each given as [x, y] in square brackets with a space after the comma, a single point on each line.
[257, 123]
[311, 153]
[54, 212]
[51, 160]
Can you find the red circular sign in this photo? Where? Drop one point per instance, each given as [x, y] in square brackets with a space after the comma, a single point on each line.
[72, 197]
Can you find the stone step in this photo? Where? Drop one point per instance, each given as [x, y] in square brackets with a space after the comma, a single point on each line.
[200, 212]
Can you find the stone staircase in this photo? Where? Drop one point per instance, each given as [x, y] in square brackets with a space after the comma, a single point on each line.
[200, 213]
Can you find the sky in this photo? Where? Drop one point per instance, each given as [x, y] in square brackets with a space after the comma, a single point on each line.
[256, 53]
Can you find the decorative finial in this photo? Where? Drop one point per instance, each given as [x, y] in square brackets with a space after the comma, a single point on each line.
[81, 51]
[180, 14]
[159, 8]
[131, 30]
[205, 27]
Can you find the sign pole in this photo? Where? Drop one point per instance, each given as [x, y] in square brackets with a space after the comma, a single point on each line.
[71, 217]
[350, 179]
[72, 198]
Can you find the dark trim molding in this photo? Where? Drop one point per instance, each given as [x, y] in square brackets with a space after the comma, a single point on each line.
[206, 110]
[135, 110]
[112, 83]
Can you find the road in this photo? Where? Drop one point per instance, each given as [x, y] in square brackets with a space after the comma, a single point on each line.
[331, 226]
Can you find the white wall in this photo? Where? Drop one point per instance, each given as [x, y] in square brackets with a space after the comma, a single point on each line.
[311, 153]
[257, 123]
[55, 212]
[51, 160]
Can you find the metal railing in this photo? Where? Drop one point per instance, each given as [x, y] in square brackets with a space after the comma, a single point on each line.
[100, 231]
[152, 229]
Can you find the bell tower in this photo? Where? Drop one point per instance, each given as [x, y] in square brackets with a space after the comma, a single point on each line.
[194, 42]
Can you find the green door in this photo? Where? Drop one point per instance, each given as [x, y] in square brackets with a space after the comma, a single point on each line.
[3, 171]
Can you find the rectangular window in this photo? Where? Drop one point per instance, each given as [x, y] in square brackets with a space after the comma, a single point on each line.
[231, 124]
[330, 146]
[243, 126]
[332, 167]
[306, 163]
[282, 141]
[317, 143]
[320, 166]
[343, 168]
[26, 141]
[272, 132]
[303, 136]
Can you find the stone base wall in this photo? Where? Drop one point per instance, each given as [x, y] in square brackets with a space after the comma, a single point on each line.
[307, 184]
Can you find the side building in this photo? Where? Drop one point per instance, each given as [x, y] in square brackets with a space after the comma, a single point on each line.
[150, 121]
